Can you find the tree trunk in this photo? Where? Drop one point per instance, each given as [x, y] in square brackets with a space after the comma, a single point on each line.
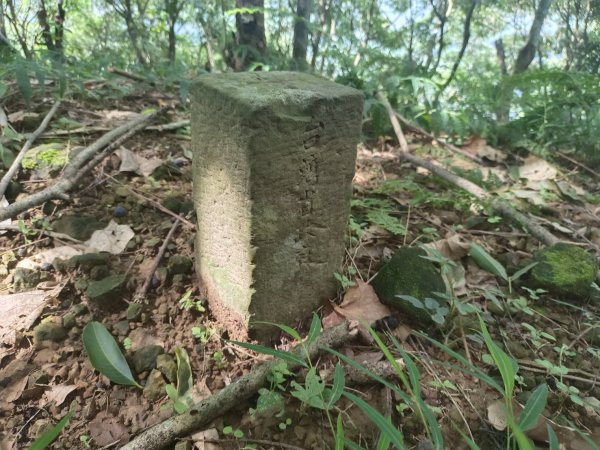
[527, 53]
[172, 43]
[463, 48]
[251, 40]
[301, 21]
[316, 39]
[42, 16]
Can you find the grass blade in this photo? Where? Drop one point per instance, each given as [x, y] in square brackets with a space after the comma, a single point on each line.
[507, 367]
[339, 433]
[286, 356]
[384, 425]
[534, 407]
[315, 330]
[487, 262]
[105, 354]
[184, 373]
[553, 443]
[289, 330]
[339, 382]
[49, 436]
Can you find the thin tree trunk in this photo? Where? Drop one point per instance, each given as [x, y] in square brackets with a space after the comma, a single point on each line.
[172, 43]
[316, 40]
[463, 48]
[20, 37]
[527, 53]
[365, 42]
[501, 57]
[301, 21]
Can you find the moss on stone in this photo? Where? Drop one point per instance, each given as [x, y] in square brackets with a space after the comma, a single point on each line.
[408, 273]
[565, 270]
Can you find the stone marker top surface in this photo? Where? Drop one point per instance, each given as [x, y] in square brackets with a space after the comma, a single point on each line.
[256, 90]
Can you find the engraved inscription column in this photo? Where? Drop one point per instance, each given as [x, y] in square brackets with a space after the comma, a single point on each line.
[274, 156]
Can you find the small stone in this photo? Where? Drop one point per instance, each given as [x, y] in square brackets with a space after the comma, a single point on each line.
[153, 242]
[49, 331]
[155, 386]
[80, 284]
[145, 358]
[179, 264]
[78, 227]
[183, 445]
[106, 288]
[69, 321]
[121, 328]
[133, 311]
[178, 280]
[99, 272]
[131, 245]
[25, 279]
[167, 366]
[78, 309]
[161, 274]
[39, 427]
[87, 261]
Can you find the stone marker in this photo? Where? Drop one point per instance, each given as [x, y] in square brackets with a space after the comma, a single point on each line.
[274, 156]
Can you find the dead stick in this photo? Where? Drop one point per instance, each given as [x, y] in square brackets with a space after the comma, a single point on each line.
[67, 182]
[577, 163]
[141, 295]
[131, 76]
[14, 167]
[204, 412]
[499, 206]
[446, 145]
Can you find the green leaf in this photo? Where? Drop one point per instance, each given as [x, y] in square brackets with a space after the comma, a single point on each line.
[339, 433]
[383, 424]
[519, 273]
[105, 355]
[506, 366]
[171, 391]
[286, 356]
[487, 262]
[339, 383]
[49, 436]
[184, 373]
[312, 391]
[180, 406]
[315, 330]
[552, 438]
[23, 82]
[534, 407]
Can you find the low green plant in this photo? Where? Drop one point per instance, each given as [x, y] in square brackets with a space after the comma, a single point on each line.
[49, 436]
[187, 302]
[235, 432]
[85, 440]
[181, 394]
[203, 334]
[344, 281]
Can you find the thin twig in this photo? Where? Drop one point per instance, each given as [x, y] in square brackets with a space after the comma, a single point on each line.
[154, 203]
[14, 168]
[578, 164]
[141, 295]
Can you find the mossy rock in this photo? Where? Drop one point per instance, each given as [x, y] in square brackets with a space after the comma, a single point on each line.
[565, 270]
[106, 288]
[409, 274]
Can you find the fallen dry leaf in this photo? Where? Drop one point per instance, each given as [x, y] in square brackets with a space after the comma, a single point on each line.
[453, 247]
[19, 311]
[63, 252]
[535, 169]
[130, 162]
[59, 393]
[14, 390]
[112, 239]
[361, 303]
[107, 430]
[200, 439]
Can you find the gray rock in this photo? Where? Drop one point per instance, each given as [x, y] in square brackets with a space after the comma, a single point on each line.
[78, 227]
[106, 288]
[145, 358]
[121, 328]
[179, 264]
[49, 331]
[167, 366]
[25, 279]
[87, 261]
[134, 310]
[155, 386]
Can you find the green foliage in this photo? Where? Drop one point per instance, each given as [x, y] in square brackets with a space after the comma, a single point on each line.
[49, 436]
[105, 355]
[181, 395]
[187, 302]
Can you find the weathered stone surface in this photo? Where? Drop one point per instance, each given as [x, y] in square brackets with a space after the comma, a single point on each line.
[274, 156]
[565, 270]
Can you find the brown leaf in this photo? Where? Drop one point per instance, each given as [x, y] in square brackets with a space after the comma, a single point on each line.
[361, 303]
[59, 393]
[18, 312]
[106, 430]
[452, 247]
[200, 439]
[13, 391]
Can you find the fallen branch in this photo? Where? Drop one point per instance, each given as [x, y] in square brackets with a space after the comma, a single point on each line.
[204, 412]
[140, 296]
[14, 167]
[77, 167]
[499, 206]
[99, 129]
[131, 76]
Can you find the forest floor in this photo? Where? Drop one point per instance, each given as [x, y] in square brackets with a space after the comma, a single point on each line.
[395, 204]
